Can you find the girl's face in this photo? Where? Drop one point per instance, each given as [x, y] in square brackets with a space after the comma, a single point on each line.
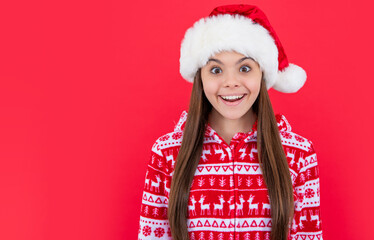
[231, 82]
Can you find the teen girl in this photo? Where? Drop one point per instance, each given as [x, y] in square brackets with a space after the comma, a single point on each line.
[232, 169]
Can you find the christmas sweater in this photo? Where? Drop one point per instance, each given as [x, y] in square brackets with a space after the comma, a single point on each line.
[228, 196]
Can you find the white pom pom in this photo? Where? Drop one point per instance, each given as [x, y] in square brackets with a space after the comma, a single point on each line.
[290, 80]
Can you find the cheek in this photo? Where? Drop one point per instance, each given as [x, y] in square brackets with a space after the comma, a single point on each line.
[254, 87]
[210, 87]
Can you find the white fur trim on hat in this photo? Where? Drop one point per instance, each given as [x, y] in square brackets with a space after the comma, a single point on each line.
[211, 35]
[226, 32]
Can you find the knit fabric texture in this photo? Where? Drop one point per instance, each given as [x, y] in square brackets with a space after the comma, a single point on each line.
[228, 197]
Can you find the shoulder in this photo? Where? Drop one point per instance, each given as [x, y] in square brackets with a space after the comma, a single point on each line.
[299, 149]
[172, 139]
[289, 137]
[295, 140]
[167, 141]
[166, 148]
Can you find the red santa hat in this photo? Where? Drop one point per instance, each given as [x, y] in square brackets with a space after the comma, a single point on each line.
[245, 29]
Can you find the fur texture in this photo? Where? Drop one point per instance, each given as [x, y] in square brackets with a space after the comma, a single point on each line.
[211, 35]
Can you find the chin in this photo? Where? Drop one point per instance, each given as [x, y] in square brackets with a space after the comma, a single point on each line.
[233, 115]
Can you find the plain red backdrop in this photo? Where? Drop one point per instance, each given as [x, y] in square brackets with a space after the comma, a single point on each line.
[86, 87]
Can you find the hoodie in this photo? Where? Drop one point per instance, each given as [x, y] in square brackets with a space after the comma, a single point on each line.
[228, 195]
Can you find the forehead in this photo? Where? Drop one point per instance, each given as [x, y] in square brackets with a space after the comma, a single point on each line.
[223, 57]
[227, 53]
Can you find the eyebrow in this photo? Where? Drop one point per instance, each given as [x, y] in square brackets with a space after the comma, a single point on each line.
[240, 60]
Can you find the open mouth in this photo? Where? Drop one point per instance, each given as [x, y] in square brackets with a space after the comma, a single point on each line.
[232, 98]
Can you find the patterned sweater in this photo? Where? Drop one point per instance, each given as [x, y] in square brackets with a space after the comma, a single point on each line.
[228, 197]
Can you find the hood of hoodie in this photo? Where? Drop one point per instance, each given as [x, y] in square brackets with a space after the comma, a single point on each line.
[282, 123]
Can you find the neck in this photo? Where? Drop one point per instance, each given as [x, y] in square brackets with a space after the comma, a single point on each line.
[227, 128]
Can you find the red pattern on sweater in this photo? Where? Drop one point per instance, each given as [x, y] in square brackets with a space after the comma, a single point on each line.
[228, 197]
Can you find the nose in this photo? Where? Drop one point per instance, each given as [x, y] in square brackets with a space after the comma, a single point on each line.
[231, 80]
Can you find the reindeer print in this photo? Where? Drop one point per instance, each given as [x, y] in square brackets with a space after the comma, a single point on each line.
[203, 155]
[156, 185]
[239, 207]
[294, 225]
[204, 207]
[170, 158]
[232, 205]
[228, 196]
[265, 207]
[192, 209]
[301, 162]
[243, 152]
[218, 206]
[253, 150]
[166, 189]
[146, 185]
[252, 206]
[302, 218]
[291, 154]
[220, 151]
[315, 217]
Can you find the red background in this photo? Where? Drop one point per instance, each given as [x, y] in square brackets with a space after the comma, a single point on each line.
[86, 87]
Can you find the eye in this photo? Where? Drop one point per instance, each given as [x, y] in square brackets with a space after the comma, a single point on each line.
[214, 70]
[246, 68]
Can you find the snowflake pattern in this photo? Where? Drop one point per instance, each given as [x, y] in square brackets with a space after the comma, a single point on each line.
[169, 232]
[300, 196]
[147, 230]
[215, 167]
[286, 135]
[299, 139]
[177, 135]
[309, 193]
[164, 138]
[159, 232]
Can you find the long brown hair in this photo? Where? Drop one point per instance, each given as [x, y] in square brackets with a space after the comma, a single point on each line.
[273, 162]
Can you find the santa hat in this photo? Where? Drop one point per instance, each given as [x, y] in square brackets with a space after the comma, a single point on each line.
[245, 29]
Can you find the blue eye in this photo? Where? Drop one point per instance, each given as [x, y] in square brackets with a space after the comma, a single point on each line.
[215, 72]
[248, 68]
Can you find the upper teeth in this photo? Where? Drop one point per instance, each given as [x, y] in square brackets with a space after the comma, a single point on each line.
[232, 97]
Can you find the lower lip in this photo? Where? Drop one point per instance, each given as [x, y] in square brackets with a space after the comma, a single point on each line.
[233, 103]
